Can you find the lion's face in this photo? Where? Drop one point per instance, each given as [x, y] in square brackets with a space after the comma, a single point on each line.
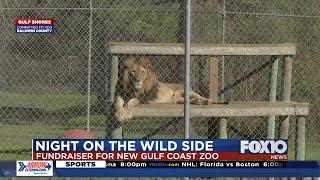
[138, 74]
[137, 71]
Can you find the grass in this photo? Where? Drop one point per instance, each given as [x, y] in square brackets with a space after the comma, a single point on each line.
[16, 134]
[43, 99]
[17, 137]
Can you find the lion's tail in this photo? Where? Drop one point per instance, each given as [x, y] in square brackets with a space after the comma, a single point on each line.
[198, 99]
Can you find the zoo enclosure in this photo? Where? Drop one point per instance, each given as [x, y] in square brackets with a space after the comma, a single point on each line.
[50, 83]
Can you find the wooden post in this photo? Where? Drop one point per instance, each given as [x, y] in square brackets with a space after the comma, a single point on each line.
[213, 123]
[223, 133]
[284, 131]
[272, 98]
[286, 96]
[114, 126]
[114, 77]
[273, 95]
[214, 76]
[300, 138]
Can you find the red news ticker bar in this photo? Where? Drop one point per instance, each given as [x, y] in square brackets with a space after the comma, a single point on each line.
[34, 22]
[200, 156]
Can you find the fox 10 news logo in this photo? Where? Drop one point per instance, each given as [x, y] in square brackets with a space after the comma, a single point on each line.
[34, 168]
[277, 149]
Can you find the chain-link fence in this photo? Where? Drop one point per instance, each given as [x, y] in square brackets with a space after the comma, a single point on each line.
[52, 83]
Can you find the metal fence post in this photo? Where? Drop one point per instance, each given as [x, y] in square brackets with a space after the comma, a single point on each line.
[223, 42]
[89, 69]
[223, 121]
[187, 70]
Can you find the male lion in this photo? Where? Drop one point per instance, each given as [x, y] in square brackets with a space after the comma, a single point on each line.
[140, 85]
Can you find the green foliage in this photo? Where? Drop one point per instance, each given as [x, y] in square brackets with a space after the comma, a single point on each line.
[140, 26]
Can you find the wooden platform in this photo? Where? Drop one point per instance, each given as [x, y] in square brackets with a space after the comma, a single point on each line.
[201, 49]
[271, 109]
[224, 110]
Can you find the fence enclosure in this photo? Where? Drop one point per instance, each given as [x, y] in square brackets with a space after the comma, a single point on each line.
[51, 83]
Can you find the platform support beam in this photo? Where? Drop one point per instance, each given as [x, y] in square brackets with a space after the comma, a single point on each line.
[113, 124]
[286, 95]
[273, 95]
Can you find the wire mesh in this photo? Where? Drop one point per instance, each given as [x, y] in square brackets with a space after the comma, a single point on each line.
[43, 78]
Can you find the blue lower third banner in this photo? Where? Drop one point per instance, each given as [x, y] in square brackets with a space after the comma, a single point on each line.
[161, 168]
[188, 172]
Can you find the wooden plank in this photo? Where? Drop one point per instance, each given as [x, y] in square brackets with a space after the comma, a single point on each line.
[223, 132]
[214, 78]
[116, 129]
[286, 95]
[301, 138]
[201, 49]
[273, 95]
[114, 77]
[287, 77]
[226, 110]
[213, 122]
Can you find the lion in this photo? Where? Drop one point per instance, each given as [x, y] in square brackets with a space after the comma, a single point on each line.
[140, 85]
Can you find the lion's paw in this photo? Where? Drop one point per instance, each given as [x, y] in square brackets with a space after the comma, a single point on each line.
[119, 102]
[132, 102]
[123, 114]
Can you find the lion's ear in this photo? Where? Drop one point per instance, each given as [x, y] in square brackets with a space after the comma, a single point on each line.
[130, 61]
[145, 62]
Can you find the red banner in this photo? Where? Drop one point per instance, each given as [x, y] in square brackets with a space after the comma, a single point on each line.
[34, 22]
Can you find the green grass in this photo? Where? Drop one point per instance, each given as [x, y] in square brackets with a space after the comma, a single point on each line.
[313, 151]
[17, 134]
[17, 137]
[43, 99]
